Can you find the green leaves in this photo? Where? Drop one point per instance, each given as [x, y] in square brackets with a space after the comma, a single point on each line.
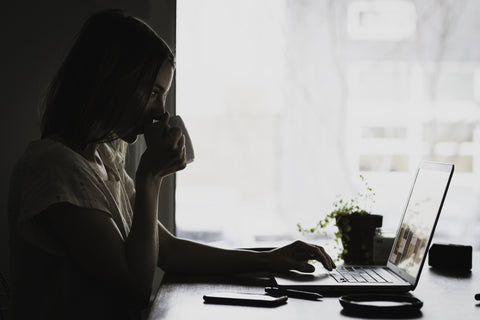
[361, 204]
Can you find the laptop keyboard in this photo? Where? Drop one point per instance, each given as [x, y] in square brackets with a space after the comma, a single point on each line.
[359, 275]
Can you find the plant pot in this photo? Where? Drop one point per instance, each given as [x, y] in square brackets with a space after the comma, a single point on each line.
[357, 234]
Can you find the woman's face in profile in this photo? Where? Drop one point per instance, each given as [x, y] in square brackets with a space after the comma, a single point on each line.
[156, 102]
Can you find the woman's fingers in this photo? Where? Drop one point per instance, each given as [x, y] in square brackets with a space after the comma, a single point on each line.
[154, 132]
[166, 147]
[312, 252]
[328, 256]
[174, 135]
[324, 258]
[305, 267]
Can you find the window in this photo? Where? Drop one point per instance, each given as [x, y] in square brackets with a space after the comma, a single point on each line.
[381, 20]
[288, 102]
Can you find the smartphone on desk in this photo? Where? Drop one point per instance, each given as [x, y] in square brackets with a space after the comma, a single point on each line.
[245, 299]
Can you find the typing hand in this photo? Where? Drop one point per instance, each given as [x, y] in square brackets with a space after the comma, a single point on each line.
[295, 256]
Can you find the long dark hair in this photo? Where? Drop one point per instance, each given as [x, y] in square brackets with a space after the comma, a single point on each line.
[107, 75]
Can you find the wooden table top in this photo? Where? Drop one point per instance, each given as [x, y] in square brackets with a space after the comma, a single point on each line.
[445, 296]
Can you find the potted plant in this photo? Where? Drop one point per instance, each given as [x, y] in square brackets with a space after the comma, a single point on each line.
[356, 227]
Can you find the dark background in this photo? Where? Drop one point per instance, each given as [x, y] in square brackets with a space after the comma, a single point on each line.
[35, 37]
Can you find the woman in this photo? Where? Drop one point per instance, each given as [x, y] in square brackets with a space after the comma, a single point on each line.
[85, 237]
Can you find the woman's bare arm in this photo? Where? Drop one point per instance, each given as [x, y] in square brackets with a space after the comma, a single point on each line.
[93, 241]
[180, 255]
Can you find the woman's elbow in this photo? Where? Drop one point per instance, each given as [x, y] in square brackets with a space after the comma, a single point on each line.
[142, 299]
[168, 254]
[138, 298]
[132, 294]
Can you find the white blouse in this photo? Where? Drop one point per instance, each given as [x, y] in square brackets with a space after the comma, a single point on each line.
[46, 284]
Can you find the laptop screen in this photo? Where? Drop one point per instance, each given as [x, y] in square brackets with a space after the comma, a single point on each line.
[420, 216]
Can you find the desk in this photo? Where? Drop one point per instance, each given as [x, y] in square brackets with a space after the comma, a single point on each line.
[445, 296]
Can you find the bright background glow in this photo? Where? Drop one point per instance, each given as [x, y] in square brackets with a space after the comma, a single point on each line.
[287, 102]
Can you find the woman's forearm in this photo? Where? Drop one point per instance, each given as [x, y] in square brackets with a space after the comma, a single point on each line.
[142, 242]
[185, 256]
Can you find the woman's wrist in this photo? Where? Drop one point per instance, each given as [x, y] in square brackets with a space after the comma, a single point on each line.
[262, 260]
[144, 175]
[147, 181]
[266, 261]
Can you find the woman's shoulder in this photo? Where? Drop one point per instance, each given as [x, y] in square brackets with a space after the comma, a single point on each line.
[50, 172]
[49, 162]
[46, 154]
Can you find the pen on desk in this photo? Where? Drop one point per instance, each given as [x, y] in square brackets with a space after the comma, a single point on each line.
[294, 293]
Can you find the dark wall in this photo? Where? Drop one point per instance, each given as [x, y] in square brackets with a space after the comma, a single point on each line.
[36, 35]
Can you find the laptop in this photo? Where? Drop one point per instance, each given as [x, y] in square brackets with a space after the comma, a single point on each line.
[409, 250]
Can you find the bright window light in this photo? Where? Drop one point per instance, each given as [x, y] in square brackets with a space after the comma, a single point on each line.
[288, 102]
[383, 20]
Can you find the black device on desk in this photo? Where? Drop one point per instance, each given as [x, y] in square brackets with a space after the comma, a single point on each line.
[380, 305]
[306, 295]
[248, 299]
[453, 257]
